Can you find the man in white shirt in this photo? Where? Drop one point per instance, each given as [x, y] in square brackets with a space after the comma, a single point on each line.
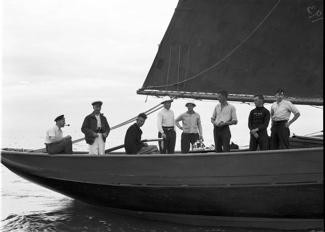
[54, 140]
[280, 115]
[166, 128]
[191, 127]
[223, 116]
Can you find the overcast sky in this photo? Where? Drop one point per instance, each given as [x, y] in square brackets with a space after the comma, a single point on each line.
[60, 55]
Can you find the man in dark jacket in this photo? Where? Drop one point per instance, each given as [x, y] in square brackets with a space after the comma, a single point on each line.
[258, 122]
[132, 140]
[96, 129]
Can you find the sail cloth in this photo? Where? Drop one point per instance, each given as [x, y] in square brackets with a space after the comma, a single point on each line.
[246, 47]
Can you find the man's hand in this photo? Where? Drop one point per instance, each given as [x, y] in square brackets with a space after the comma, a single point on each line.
[287, 124]
[105, 134]
[220, 124]
[68, 137]
[163, 135]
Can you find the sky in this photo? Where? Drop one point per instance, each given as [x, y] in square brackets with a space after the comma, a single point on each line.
[58, 56]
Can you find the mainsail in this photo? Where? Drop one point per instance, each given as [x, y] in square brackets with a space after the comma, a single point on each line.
[246, 47]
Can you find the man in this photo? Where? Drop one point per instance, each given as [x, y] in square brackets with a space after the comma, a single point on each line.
[54, 141]
[258, 122]
[96, 129]
[280, 114]
[132, 140]
[223, 116]
[166, 128]
[191, 127]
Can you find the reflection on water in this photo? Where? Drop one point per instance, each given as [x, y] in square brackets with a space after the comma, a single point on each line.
[29, 207]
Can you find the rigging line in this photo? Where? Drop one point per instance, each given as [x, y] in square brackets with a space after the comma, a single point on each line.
[314, 133]
[318, 107]
[228, 55]
[150, 111]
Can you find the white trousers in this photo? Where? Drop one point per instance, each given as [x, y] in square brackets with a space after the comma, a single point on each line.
[98, 147]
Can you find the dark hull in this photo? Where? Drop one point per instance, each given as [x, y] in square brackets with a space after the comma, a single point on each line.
[289, 201]
[278, 185]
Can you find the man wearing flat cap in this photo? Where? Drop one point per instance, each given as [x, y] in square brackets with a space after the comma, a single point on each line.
[96, 129]
[191, 127]
[54, 140]
[166, 128]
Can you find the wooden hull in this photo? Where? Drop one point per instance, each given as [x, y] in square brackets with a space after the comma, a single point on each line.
[269, 184]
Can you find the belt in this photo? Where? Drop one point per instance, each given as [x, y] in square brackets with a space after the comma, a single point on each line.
[168, 128]
[280, 122]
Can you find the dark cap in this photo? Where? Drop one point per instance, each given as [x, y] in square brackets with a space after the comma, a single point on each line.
[279, 91]
[142, 115]
[97, 103]
[190, 103]
[58, 118]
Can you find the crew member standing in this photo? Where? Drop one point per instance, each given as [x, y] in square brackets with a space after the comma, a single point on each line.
[258, 122]
[96, 129]
[166, 128]
[280, 114]
[54, 141]
[191, 127]
[223, 116]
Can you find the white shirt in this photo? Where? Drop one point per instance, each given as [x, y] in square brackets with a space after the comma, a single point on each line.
[191, 123]
[99, 123]
[281, 111]
[165, 119]
[55, 133]
[225, 114]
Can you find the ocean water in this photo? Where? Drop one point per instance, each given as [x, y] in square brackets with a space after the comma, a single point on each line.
[29, 207]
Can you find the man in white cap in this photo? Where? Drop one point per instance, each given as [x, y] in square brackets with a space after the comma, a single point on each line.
[96, 129]
[191, 127]
[55, 142]
[166, 128]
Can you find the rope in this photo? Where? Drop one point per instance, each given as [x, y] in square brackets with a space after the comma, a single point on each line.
[226, 56]
[314, 133]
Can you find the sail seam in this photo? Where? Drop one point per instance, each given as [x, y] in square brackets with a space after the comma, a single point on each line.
[225, 57]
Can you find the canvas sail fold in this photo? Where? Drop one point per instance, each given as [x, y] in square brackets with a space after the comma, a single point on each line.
[244, 46]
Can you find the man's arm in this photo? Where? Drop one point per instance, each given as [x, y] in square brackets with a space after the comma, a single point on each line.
[233, 120]
[199, 125]
[214, 115]
[178, 119]
[266, 121]
[295, 117]
[85, 128]
[250, 121]
[107, 128]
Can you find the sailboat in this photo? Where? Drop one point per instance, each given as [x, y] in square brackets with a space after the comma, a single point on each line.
[245, 47]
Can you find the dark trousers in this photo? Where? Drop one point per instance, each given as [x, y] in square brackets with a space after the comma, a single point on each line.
[279, 135]
[167, 146]
[262, 141]
[222, 138]
[187, 139]
[62, 147]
